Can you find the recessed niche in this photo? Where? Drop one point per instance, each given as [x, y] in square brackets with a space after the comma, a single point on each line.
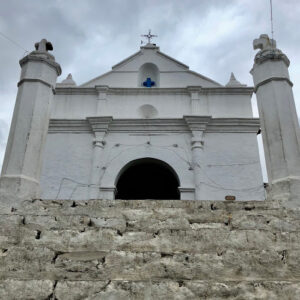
[147, 111]
[148, 73]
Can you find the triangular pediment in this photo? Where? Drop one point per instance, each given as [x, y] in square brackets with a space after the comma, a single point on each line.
[131, 72]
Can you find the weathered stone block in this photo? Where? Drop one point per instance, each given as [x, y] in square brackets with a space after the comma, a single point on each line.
[103, 249]
[26, 289]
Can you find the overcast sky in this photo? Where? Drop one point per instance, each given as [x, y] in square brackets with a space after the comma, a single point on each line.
[213, 37]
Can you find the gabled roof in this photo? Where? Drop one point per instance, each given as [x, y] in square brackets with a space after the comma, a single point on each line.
[131, 57]
[124, 73]
[124, 61]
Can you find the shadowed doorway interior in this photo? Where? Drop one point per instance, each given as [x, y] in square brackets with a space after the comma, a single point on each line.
[147, 178]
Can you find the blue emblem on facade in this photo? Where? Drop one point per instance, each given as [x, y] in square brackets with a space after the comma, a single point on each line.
[148, 83]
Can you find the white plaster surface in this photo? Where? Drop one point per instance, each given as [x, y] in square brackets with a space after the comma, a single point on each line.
[126, 104]
[172, 73]
[67, 166]
[230, 163]
[99, 127]
[280, 127]
[24, 152]
[89, 161]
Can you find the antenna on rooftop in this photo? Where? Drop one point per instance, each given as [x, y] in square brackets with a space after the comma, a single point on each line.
[272, 29]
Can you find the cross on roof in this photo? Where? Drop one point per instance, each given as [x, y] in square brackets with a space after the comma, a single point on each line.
[149, 36]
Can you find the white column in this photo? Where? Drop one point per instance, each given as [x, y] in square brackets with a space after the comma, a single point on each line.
[197, 126]
[199, 103]
[100, 127]
[102, 100]
[197, 159]
[24, 152]
[96, 171]
[195, 102]
[279, 122]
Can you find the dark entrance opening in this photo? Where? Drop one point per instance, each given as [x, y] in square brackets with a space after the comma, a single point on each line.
[148, 179]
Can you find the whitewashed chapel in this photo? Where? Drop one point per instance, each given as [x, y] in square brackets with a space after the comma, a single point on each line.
[152, 128]
[148, 129]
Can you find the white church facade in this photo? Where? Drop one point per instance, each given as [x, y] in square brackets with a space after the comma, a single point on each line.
[152, 128]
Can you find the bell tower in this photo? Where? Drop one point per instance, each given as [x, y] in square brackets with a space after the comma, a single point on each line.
[279, 123]
[23, 157]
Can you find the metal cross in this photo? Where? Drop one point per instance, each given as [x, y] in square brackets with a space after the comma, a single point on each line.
[149, 36]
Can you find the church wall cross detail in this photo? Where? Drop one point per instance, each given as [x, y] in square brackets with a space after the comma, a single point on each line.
[148, 83]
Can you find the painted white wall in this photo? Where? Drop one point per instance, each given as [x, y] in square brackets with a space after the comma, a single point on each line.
[172, 73]
[72, 106]
[229, 106]
[229, 159]
[172, 105]
[230, 165]
[67, 165]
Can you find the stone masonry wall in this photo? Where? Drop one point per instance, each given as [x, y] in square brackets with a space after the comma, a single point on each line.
[149, 249]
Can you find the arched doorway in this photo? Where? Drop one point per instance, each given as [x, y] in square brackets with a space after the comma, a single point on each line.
[147, 178]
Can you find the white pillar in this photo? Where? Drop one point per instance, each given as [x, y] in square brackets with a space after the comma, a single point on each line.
[102, 99]
[279, 122]
[99, 126]
[24, 152]
[197, 160]
[199, 103]
[197, 125]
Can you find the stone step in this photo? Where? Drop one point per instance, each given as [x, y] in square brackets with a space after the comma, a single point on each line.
[150, 289]
[126, 249]
[41, 262]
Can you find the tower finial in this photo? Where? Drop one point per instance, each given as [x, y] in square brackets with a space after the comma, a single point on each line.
[264, 43]
[149, 36]
[43, 46]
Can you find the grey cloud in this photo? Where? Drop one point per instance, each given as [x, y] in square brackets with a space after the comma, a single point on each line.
[213, 37]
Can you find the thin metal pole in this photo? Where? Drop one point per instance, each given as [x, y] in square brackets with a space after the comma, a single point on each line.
[272, 29]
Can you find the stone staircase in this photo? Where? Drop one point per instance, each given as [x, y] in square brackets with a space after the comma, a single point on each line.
[149, 249]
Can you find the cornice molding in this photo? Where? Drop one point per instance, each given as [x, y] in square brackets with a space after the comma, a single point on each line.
[227, 91]
[156, 126]
[148, 125]
[76, 91]
[238, 125]
[197, 123]
[154, 91]
[272, 79]
[99, 124]
[147, 91]
[42, 58]
[69, 126]
[34, 80]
